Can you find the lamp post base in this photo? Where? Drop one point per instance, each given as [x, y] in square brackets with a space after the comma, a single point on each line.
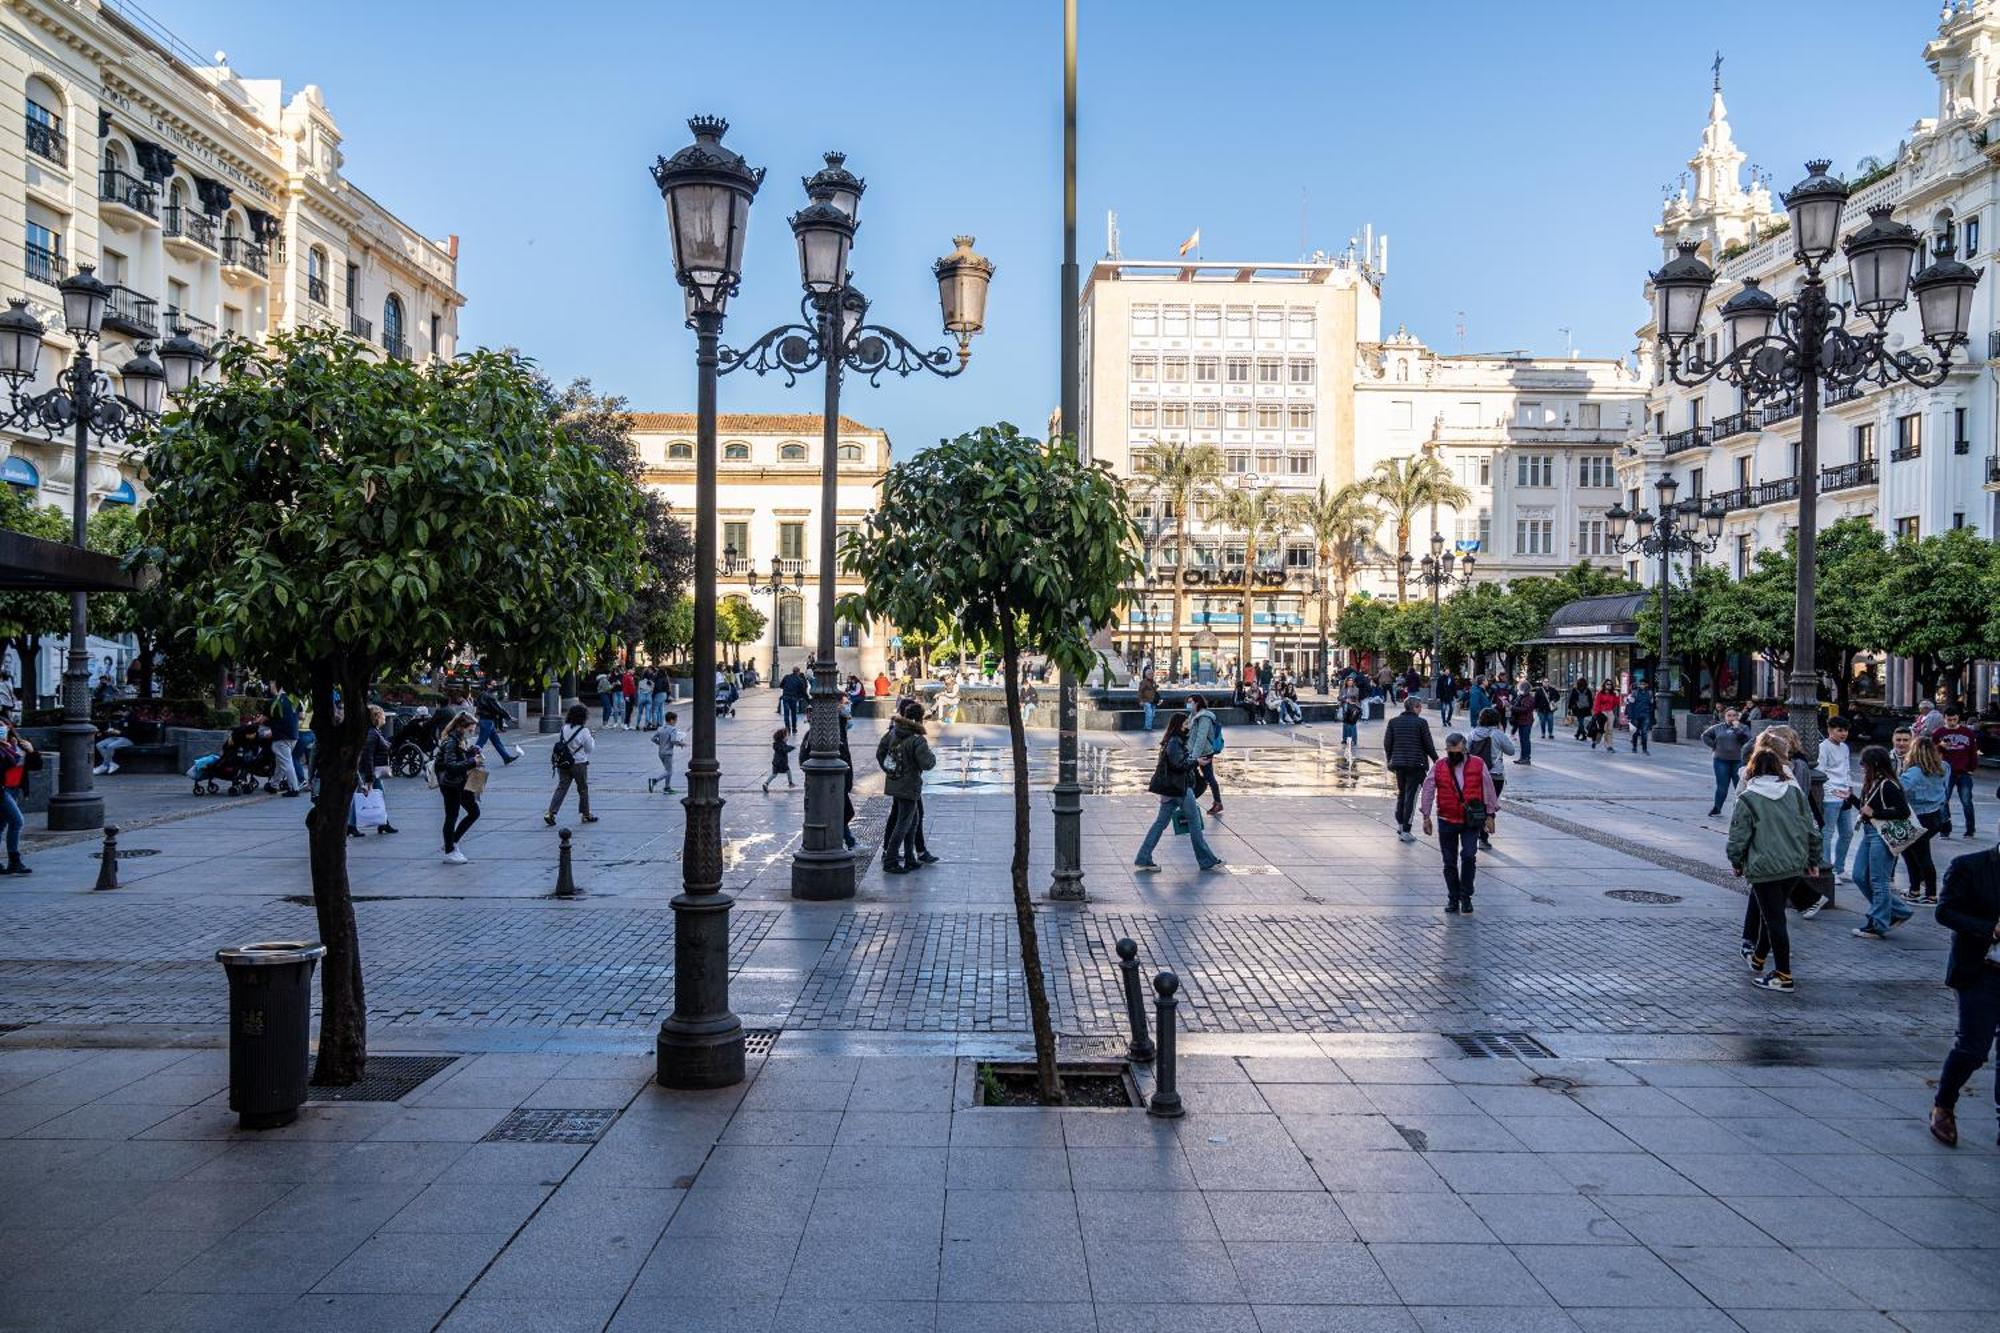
[552, 709]
[75, 812]
[1664, 731]
[823, 877]
[699, 1055]
[701, 1043]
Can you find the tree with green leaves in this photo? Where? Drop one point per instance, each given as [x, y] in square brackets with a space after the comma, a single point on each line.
[1368, 625]
[1487, 620]
[1341, 523]
[27, 617]
[1263, 516]
[1024, 548]
[114, 530]
[1179, 477]
[1934, 605]
[1699, 635]
[1405, 486]
[737, 623]
[319, 515]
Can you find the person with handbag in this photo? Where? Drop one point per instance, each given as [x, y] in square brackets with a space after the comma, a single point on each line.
[1774, 844]
[461, 777]
[570, 758]
[15, 752]
[1489, 744]
[1926, 781]
[1462, 791]
[904, 754]
[1173, 782]
[374, 766]
[1970, 909]
[1886, 829]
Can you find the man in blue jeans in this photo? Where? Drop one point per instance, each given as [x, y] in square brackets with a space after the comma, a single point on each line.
[1836, 760]
[1960, 746]
[1728, 740]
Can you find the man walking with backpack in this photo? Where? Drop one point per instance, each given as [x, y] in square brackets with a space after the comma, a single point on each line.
[570, 758]
[1408, 751]
[1204, 743]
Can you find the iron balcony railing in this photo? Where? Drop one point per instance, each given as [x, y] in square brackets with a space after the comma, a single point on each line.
[1961, 447]
[43, 264]
[242, 252]
[396, 347]
[127, 311]
[1784, 411]
[1992, 469]
[1993, 345]
[1775, 492]
[199, 329]
[360, 327]
[123, 188]
[1732, 500]
[1845, 476]
[1903, 453]
[1694, 437]
[1736, 423]
[47, 140]
[190, 224]
[316, 289]
[1844, 393]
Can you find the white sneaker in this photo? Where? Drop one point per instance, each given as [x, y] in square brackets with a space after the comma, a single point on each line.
[1816, 908]
[1405, 835]
[454, 858]
[111, 768]
[101, 769]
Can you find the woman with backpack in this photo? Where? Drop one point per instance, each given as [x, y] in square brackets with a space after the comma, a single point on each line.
[1462, 790]
[1774, 844]
[461, 776]
[1886, 828]
[1173, 782]
[1490, 744]
[904, 755]
[570, 758]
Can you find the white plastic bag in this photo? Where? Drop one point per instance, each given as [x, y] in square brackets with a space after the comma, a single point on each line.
[371, 808]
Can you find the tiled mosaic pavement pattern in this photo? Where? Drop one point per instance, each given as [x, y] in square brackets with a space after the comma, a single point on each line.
[1304, 1191]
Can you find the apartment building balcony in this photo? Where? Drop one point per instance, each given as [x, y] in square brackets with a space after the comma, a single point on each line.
[1775, 492]
[1734, 499]
[316, 290]
[789, 567]
[1694, 437]
[123, 196]
[360, 327]
[244, 261]
[47, 141]
[1736, 423]
[189, 232]
[42, 264]
[1992, 471]
[1838, 394]
[1993, 345]
[199, 329]
[127, 311]
[1904, 453]
[1784, 411]
[396, 347]
[1846, 476]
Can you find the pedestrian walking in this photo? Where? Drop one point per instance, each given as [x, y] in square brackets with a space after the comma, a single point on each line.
[1521, 715]
[666, 740]
[1350, 725]
[1408, 752]
[628, 692]
[1205, 741]
[569, 758]
[1639, 713]
[1927, 783]
[492, 714]
[1031, 699]
[1447, 690]
[1490, 744]
[374, 770]
[1929, 720]
[1477, 699]
[904, 755]
[1959, 744]
[1545, 708]
[644, 700]
[461, 777]
[1774, 844]
[1579, 706]
[781, 759]
[1149, 699]
[284, 722]
[1886, 828]
[1837, 803]
[1462, 790]
[1173, 781]
[1727, 742]
[1970, 909]
[607, 697]
[794, 698]
[1604, 710]
[15, 752]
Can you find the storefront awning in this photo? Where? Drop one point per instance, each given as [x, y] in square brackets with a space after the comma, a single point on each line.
[36, 565]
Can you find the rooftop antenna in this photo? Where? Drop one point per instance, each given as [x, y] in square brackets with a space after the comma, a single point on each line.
[1461, 332]
[1304, 253]
[1569, 343]
[1111, 233]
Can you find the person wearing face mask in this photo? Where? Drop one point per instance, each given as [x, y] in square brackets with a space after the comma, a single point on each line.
[1463, 791]
[14, 751]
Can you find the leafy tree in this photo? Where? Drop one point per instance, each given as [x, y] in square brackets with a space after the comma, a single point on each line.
[1486, 620]
[737, 623]
[1341, 523]
[1406, 485]
[114, 530]
[1700, 634]
[1024, 547]
[672, 631]
[1934, 604]
[27, 616]
[1367, 625]
[1263, 516]
[1179, 476]
[318, 514]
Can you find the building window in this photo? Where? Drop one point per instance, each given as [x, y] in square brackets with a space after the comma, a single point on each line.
[44, 129]
[1207, 416]
[1534, 536]
[1145, 367]
[1864, 443]
[1236, 323]
[1174, 369]
[791, 622]
[1534, 469]
[1299, 323]
[1145, 416]
[1593, 537]
[1208, 321]
[1302, 370]
[1298, 557]
[1594, 470]
[849, 453]
[1908, 529]
[1697, 407]
[791, 541]
[1659, 423]
[736, 451]
[680, 451]
[1270, 371]
[1269, 461]
[1239, 370]
[1237, 417]
[44, 255]
[392, 323]
[1174, 322]
[1971, 229]
[1960, 444]
[1270, 416]
[1472, 469]
[1696, 477]
[1530, 414]
[1239, 460]
[1589, 416]
[1299, 464]
[1742, 478]
[317, 288]
[1299, 416]
[1475, 529]
[791, 451]
[1909, 437]
[736, 539]
[1207, 369]
[1742, 554]
[1145, 321]
[1270, 323]
[437, 335]
[1173, 416]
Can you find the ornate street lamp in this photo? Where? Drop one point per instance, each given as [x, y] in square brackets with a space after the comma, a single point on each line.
[1790, 349]
[774, 586]
[83, 404]
[707, 190]
[1673, 530]
[836, 337]
[1437, 571]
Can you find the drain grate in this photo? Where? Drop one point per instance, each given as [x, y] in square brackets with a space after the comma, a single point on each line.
[553, 1124]
[127, 853]
[1642, 896]
[387, 1078]
[1496, 1045]
[759, 1041]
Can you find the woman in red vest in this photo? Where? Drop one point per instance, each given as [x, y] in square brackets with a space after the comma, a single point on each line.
[1463, 792]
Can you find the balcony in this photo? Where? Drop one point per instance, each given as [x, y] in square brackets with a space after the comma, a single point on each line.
[1736, 423]
[1846, 476]
[1993, 345]
[1775, 492]
[189, 233]
[1903, 453]
[1837, 394]
[127, 311]
[244, 261]
[361, 328]
[1784, 411]
[396, 347]
[316, 290]
[1961, 447]
[197, 328]
[789, 567]
[1732, 500]
[1993, 469]
[46, 140]
[1694, 437]
[123, 190]
[43, 264]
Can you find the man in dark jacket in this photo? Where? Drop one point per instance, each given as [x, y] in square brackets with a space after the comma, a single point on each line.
[1580, 704]
[904, 756]
[1409, 753]
[795, 696]
[1970, 909]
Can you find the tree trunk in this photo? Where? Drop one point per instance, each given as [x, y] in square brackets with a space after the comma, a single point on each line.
[1024, 906]
[1180, 593]
[1249, 591]
[343, 1020]
[31, 679]
[147, 643]
[1402, 549]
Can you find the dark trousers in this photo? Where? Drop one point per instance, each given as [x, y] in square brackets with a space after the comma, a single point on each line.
[1725, 778]
[1204, 777]
[789, 709]
[1642, 735]
[1525, 734]
[1764, 922]
[1978, 1026]
[1548, 722]
[1917, 858]
[1582, 724]
[1460, 843]
[905, 822]
[1409, 782]
[1446, 707]
[1962, 784]
[458, 800]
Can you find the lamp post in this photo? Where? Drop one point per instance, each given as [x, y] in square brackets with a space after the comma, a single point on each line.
[1786, 348]
[837, 338]
[83, 404]
[1438, 570]
[1672, 531]
[707, 190]
[1066, 799]
[772, 585]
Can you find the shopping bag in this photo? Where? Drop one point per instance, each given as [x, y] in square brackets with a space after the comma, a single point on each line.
[1180, 821]
[371, 808]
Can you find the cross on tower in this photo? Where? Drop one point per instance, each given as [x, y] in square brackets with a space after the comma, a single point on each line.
[1717, 67]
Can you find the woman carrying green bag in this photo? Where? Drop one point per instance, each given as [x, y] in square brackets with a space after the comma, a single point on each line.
[1173, 783]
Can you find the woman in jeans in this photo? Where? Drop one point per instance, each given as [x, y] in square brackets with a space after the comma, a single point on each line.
[1773, 843]
[456, 760]
[1927, 782]
[14, 751]
[1882, 801]
[1173, 783]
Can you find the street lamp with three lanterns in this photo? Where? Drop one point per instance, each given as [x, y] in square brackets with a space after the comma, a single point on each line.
[1437, 571]
[1675, 528]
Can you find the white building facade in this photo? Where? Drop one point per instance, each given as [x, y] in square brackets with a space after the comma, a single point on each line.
[769, 520]
[1913, 461]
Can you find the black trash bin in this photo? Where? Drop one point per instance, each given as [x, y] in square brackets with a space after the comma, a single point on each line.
[270, 1028]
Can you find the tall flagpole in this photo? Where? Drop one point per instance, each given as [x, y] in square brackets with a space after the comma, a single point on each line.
[1067, 884]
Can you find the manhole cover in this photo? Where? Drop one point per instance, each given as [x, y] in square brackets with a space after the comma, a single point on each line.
[553, 1124]
[1495, 1045]
[1554, 1084]
[1642, 896]
[127, 853]
[759, 1041]
[387, 1078]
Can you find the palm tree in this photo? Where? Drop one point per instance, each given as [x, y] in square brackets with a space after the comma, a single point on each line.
[1341, 522]
[1405, 485]
[1258, 514]
[1180, 476]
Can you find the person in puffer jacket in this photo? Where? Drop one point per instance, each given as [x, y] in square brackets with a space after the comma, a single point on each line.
[1773, 843]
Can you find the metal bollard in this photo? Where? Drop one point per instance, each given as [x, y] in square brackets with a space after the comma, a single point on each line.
[1141, 1049]
[1166, 1101]
[107, 864]
[565, 879]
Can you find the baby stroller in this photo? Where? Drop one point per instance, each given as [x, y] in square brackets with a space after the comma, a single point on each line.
[413, 745]
[726, 696]
[246, 759]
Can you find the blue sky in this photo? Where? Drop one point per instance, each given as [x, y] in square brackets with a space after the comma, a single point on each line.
[1513, 152]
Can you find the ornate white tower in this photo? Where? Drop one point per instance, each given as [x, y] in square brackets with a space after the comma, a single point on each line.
[1720, 213]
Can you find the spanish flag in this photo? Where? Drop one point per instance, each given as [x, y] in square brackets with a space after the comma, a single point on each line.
[1191, 243]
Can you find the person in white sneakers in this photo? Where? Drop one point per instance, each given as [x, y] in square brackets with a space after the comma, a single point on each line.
[456, 763]
[110, 741]
[666, 740]
[1836, 760]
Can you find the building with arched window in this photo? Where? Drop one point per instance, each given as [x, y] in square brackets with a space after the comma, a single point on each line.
[768, 509]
